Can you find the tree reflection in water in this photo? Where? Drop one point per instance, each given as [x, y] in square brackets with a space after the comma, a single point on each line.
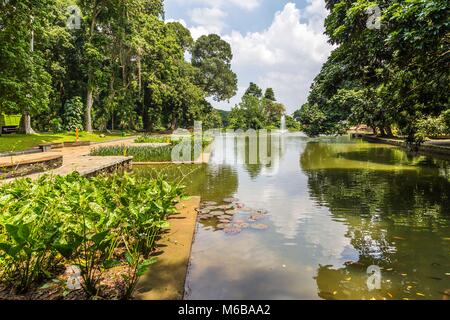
[397, 209]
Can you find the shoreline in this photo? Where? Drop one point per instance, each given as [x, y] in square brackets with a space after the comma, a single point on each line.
[426, 149]
[167, 278]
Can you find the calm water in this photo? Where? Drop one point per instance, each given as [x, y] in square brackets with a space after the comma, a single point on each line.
[336, 206]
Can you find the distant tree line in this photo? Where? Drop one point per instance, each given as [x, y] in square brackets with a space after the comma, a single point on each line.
[259, 111]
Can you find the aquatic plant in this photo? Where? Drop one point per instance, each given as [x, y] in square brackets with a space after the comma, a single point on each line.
[154, 139]
[139, 154]
[93, 223]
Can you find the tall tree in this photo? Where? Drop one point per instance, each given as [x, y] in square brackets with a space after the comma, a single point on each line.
[24, 82]
[212, 56]
[270, 94]
[254, 90]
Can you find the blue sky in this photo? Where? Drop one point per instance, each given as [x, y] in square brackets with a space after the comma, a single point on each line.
[275, 43]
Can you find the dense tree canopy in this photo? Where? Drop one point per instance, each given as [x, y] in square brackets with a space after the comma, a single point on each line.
[389, 77]
[256, 111]
[116, 59]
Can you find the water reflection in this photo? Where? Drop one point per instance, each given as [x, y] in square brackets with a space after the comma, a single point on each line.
[397, 218]
[336, 206]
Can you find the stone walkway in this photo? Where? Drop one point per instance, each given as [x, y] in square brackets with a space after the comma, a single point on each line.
[76, 159]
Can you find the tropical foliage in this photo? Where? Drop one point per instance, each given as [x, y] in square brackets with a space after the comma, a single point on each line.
[389, 77]
[94, 224]
[121, 57]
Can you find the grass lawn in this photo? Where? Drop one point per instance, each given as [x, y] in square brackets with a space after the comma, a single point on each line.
[20, 142]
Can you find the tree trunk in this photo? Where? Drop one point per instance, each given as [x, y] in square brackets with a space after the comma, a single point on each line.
[145, 116]
[382, 132]
[389, 131]
[174, 125]
[26, 124]
[374, 129]
[88, 111]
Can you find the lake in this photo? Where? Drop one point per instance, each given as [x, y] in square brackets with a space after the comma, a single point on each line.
[332, 207]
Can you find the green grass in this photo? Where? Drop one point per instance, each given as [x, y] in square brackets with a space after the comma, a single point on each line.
[139, 154]
[20, 142]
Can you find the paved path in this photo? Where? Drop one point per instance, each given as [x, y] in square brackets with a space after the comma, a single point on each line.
[75, 159]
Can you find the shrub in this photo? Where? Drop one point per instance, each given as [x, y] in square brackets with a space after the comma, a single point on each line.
[73, 114]
[431, 127]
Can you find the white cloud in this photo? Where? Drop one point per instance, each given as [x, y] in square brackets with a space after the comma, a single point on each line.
[287, 55]
[208, 20]
[244, 4]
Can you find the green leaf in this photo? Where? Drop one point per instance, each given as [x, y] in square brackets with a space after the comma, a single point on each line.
[24, 232]
[144, 266]
[129, 258]
[95, 207]
[99, 237]
[66, 250]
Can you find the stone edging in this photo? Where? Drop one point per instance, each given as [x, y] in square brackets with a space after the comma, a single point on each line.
[424, 148]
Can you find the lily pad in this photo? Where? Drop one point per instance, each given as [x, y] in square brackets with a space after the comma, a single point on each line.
[205, 216]
[243, 225]
[230, 212]
[259, 226]
[232, 230]
[216, 213]
[256, 217]
[209, 203]
[230, 200]
[224, 221]
[225, 217]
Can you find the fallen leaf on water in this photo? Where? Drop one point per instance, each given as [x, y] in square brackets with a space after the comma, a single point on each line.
[335, 293]
[399, 238]
[390, 295]
[420, 294]
[348, 279]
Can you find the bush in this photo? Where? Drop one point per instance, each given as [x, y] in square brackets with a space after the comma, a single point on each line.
[431, 127]
[56, 125]
[94, 223]
[446, 118]
[73, 114]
